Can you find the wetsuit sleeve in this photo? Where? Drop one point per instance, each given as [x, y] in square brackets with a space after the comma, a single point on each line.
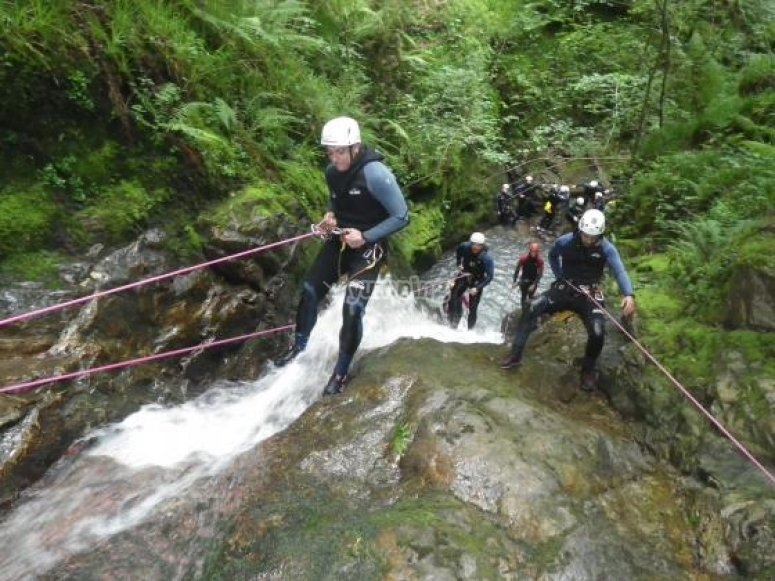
[384, 188]
[616, 267]
[554, 254]
[489, 272]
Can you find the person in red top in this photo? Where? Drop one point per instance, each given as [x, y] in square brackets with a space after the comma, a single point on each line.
[532, 267]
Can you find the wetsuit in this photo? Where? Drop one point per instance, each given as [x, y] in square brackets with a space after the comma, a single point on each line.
[532, 268]
[572, 262]
[479, 270]
[366, 197]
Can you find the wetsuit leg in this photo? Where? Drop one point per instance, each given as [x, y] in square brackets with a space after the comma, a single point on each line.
[551, 301]
[523, 290]
[594, 322]
[320, 277]
[357, 295]
[473, 306]
[456, 302]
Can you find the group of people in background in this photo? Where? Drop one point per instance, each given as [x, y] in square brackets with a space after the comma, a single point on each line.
[526, 198]
[577, 259]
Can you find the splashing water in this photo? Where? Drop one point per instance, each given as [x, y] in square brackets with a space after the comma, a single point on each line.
[157, 453]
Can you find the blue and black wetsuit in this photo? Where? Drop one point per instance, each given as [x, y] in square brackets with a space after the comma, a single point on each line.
[582, 266]
[366, 197]
[478, 270]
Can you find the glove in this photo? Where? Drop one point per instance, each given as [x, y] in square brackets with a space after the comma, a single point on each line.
[473, 291]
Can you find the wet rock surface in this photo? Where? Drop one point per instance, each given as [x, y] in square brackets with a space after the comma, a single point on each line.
[436, 464]
[433, 464]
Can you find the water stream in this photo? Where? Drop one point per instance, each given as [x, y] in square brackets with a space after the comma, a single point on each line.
[127, 470]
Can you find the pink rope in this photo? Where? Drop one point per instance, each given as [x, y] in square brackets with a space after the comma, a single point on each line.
[30, 385]
[686, 393]
[186, 270]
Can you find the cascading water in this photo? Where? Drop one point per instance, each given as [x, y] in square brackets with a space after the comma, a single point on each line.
[132, 468]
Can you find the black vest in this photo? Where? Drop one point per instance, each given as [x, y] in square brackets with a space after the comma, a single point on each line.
[474, 263]
[582, 265]
[351, 201]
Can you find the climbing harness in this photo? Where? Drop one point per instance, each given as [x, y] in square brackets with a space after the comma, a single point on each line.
[684, 391]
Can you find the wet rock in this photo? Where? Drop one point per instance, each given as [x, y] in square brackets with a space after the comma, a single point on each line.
[751, 303]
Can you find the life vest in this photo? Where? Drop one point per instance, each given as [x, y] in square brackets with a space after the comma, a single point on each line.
[352, 203]
[582, 265]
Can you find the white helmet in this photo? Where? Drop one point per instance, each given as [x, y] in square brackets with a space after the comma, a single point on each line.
[529, 179]
[592, 223]
[598, 195]
[580, 201]
[341, 131]
[505, 187]
[477, 238]
[564, 189]
[593, 183]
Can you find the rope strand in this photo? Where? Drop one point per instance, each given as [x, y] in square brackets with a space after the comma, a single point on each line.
[136, 284]
[686, 393]
[30, 385]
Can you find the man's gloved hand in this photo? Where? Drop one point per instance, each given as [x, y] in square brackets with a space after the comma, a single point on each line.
[473, 292]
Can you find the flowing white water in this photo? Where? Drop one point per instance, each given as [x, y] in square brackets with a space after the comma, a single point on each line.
[155, 454]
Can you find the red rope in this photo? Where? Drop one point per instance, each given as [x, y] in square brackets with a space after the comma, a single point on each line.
[186, 270]
[686, 393]
[30, 385]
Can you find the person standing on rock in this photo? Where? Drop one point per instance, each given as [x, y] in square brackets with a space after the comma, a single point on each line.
[365, 207]
[476, 269]
[578, 260]
[531, 265]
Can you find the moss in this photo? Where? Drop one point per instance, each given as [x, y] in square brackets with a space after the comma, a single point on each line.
[420, 242]
[254, 202]
[122, 209]
[27, 216]
[41, 266]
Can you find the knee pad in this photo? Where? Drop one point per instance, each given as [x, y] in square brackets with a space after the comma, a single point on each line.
[597, 328]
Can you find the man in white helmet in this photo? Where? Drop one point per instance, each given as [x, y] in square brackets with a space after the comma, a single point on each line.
[365, 206]
[578, 260]
[476, 269]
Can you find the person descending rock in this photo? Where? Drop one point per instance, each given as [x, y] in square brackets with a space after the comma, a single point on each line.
[365, 206]
[578, 260]
[531, 265]
[475, 271]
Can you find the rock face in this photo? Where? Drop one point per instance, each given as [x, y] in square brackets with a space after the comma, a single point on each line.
[435, 464]
[752, 300]
[189, 310]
